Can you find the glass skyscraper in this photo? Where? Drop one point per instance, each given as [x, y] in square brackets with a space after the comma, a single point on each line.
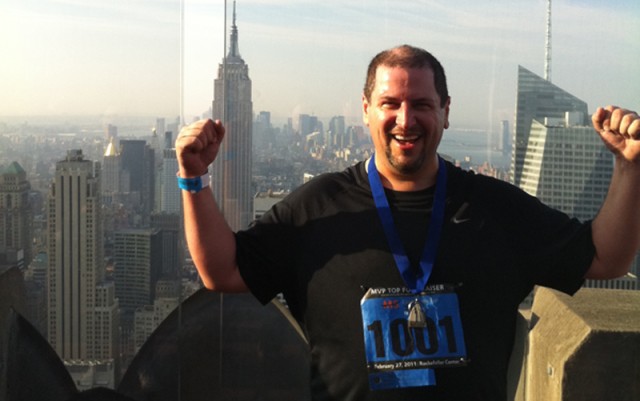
[537, 99]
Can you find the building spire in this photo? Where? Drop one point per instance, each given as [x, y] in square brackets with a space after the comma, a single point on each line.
[547, 47]
[111, 149]
[234, 52]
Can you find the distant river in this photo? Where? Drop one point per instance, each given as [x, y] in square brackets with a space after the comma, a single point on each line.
[479, 146]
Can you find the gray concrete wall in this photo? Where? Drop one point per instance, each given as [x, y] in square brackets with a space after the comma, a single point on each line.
[585, 347]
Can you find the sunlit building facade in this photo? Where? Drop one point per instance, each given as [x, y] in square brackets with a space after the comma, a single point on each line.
[111, 174]
[567, 166]
[557, 156]
[537, 99]
[81, 318]
[231, 171]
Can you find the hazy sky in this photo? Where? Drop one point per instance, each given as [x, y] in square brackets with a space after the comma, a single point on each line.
[121, 57]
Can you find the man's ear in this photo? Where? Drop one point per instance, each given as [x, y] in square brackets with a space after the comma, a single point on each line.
[365, 110]
[446, 113]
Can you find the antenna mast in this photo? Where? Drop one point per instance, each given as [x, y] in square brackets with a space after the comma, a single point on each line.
[547, 47]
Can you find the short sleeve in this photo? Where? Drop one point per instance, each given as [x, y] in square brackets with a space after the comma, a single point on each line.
[264, 253]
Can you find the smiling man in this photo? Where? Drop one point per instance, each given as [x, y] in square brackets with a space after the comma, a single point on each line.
[404, 271]
[406, 116]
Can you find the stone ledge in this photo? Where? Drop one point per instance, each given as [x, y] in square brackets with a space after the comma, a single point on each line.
[585, 347]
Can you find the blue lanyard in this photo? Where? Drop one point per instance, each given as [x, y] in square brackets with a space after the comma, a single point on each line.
[416, 284]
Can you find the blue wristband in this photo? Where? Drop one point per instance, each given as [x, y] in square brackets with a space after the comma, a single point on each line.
[195, 184]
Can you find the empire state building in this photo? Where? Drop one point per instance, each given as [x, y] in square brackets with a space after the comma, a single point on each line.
[231, 171]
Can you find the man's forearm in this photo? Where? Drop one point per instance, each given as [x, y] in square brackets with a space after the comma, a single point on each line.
[616, 228]
[211, 242]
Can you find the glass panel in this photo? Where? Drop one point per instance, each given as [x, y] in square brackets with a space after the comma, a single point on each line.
[92, 97]
[80, 79]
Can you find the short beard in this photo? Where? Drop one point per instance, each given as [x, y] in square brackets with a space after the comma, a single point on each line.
[405, 169]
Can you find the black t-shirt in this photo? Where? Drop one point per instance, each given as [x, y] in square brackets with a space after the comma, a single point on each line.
[324, 245]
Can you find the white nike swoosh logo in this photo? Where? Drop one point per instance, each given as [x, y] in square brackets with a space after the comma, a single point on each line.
[456, 219]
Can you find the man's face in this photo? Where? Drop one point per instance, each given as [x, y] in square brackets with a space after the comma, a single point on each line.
[406, 122]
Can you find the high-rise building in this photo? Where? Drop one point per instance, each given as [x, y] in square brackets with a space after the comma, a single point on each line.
[567, 166]
[336, 133]
[174, 129]
[148, 318]
[307, 124]
[111, 174]
[170, 197]
[111, 132]
[81, 314]
[160, 126]
[557, 156]
[264, 117]
[168, 140]
[157, 139]
[137, 258]
[15, 217]
[537, 99]
[505, 139]
[231, 171]
[172, 248]
[263, 133]
[138, 170]
[107, 322]
[36, 281]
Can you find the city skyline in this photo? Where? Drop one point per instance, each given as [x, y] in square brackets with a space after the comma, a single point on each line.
[123, 58]
[133, 272]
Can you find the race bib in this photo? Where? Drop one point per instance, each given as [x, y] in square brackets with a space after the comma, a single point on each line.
[399, 352]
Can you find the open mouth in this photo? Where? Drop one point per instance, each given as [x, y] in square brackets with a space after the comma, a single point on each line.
[405, 139]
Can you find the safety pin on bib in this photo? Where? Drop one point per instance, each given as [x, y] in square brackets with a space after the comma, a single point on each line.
[416, 314]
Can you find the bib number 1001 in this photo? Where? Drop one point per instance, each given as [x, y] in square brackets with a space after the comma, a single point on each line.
[406, 341]
[389, 338]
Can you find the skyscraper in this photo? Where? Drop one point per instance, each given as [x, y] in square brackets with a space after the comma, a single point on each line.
[567, 166]
[168, 140]
[336, 133]
[307, 124]
[15, 217]
[557, 156]
[138, 165]
[138, 266]
[81, 313]
[231, 171]
[172, 234]
[537, 99]
[111, 174]
[170, 200]
[505, 139]
[263, 133]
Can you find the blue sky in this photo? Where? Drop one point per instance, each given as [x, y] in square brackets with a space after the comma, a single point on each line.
[123, 56]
